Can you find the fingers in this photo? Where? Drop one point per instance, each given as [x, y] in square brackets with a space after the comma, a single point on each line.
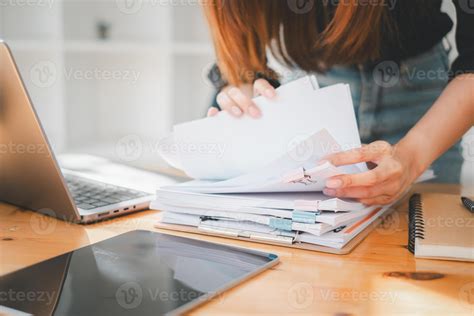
[237, 103]
[379, 186]
[386, 170]
[228, 104]
[369, 178]
[212, 111]
[263, 87]
[367, 153]
[244, 102]
[381, 195]
[389, 188]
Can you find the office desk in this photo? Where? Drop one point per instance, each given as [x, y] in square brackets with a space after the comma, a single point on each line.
[379, 277]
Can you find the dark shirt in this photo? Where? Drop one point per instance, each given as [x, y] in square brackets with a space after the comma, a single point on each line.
[421, 25]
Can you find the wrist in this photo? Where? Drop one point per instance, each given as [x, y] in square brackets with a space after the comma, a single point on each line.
[408, 152]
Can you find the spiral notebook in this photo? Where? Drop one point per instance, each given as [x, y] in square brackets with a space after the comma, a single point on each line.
[440, 228]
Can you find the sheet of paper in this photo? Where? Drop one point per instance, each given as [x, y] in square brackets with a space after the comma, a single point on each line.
[273, 177]
[343, 236]
[330, 218]
[224, 147]
[280, 201]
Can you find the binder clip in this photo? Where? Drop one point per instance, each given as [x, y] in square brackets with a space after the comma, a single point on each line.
[303, 217]
[299, 176]
[305, 211]
[281, 224]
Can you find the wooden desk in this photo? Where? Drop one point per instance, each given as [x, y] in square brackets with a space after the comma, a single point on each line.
[379, 277]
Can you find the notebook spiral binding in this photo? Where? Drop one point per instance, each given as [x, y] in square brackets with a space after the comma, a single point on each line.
[416, 224]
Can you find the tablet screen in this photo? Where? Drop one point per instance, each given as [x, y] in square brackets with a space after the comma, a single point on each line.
[140, 272]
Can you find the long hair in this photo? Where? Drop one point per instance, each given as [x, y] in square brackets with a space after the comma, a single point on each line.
[310, 34]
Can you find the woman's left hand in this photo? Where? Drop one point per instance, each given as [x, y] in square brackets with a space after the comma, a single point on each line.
[384, 184]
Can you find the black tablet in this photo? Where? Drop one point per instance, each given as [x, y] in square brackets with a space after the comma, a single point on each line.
[139, 273]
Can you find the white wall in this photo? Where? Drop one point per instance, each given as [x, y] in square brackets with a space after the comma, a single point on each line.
[146, 76]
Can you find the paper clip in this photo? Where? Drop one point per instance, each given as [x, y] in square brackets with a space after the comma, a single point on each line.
[299, 176]
[294, 176]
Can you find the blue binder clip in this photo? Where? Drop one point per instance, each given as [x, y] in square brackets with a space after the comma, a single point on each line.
[281, 223]
[303, 217]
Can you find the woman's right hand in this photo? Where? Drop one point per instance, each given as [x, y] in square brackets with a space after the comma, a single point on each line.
[238, 100]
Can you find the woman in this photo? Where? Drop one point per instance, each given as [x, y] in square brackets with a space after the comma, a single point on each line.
[391, 53]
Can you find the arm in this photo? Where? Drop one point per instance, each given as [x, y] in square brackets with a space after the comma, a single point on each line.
[443, 125]
[399, 166]
[446, 122]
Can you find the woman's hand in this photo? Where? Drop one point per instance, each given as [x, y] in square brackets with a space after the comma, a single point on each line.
[388, 181]
[238, 100]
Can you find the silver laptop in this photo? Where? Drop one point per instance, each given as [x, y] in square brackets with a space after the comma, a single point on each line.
[30, 176]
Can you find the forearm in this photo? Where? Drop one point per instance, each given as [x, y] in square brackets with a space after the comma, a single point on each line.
[442, 126]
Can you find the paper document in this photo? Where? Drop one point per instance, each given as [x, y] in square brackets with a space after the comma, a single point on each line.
[293, 171]
[312, 201]
[262, 179]
[334, 239]
[224, 147]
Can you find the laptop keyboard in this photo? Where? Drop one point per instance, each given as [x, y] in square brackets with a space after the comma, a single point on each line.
[89, 194]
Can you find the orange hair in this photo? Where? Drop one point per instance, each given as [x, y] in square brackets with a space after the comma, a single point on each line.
[313, 39]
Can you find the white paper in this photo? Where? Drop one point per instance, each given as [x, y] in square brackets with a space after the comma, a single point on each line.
[330, 218]
[238, 202]
[334, 239]
[271, 178]
[224, 147]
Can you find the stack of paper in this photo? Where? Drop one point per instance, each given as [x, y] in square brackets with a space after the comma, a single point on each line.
[278, 214]
[262, 179]
[336, 238]
[281, 203]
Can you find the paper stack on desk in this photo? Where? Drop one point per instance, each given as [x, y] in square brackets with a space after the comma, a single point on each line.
[262, 179]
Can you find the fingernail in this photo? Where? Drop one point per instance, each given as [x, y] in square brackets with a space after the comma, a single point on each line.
[329, 192]
[212, 112]
[270, 93]
[236, 110]
[254, 112]
[334, 183]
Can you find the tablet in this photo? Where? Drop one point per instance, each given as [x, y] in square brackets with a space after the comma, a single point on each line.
[140, 273]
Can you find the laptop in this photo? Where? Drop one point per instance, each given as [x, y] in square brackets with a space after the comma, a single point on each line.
[30, 176]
